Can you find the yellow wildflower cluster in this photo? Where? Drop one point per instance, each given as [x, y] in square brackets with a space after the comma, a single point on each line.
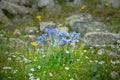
[107, 4]
[83, 8]
[34, 44]
[38, 18]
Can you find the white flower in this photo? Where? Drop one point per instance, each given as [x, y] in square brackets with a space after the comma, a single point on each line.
[32, 78]
[101, 62]
[71, 78]
[9, 59]
[96, 61]
[90, 61]
[43, 56]
[30, 74]
[86, 57]
[113, 62]
[7, 67]
[39, 67]
[84, 51]
[78, 59]
[67, 52]
[50, 74]
[38, 79]
[15, 71]
[32, 69]
[117, 62]
[98, 29]
[67, 68]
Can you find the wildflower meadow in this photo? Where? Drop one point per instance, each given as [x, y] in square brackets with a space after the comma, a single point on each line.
[50, 53]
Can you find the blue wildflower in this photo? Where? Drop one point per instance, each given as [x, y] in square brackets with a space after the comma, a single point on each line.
[61, 35]
[42, 37]
[53, 44]
[63, 41]
[50, 31]
[38, 42]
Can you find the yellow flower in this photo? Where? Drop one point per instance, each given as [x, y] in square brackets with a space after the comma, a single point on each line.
[34, 44]
[107, 4]
[38, 17]
[83, 8]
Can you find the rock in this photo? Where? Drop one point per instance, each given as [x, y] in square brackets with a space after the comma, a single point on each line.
[17, 32]
[13, 8]
[114, 75]
[75, 3]
[100, 38]
[8, 24]
[28, 37]
[1, 36]
[42, 3]
[3, 17]
[113, 3]
[17, 43]
[104, 51]
[32, 37]
[84, 23]
[43, 25]
[62, 29]
[30, 29]
[53, 9]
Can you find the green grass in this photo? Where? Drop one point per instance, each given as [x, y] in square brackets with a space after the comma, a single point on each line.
[81, 63]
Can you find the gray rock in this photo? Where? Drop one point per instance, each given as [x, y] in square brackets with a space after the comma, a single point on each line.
[1, 36]
[113, 3]
[28, 37]
[114, 75]
[30, 29]
[53, 9]
[13, 8]
[104, 51]
[3, 17]
[8, 24]
[42, 3]
[84, 23]
[62, 29]
[17, 43]
[100, 38]
[43, 25]
[21, 2]
[32, 37]
[75, 3]
[17, 32]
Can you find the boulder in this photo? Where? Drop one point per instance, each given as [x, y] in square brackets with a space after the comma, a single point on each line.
[104, 51]
[100, 38]
[3, 17]
[53, 9]
[42, 3]
[113, 3]
[16, 32]
[84, 23]
[62, 29]
[13, 8]
[43, 25]
[114, 75]
[1, 36]
[75, 3]
[30, 29]
[17, 43]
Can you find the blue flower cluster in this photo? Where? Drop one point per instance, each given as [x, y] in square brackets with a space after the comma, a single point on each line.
[58, 38]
